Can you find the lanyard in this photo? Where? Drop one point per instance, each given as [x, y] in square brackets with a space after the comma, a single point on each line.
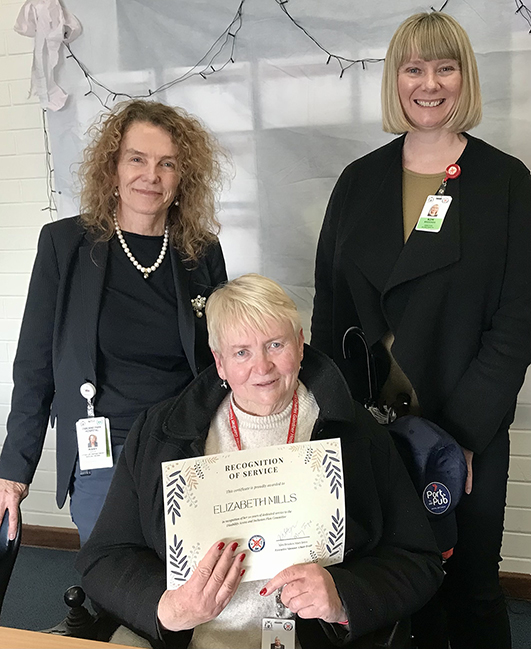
[88, 391]
[292, 422]
[452, 171]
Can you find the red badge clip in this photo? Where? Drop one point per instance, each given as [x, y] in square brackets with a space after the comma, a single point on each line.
[453, 171]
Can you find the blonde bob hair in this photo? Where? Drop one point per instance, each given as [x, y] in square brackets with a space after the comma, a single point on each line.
[193, 223]
[431, 36]
[250, 301]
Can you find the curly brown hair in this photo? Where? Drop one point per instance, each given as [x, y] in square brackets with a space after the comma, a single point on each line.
[193, 224]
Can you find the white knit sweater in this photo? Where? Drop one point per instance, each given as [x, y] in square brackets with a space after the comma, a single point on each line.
[239, 626]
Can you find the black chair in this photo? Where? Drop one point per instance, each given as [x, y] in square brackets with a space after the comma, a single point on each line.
[8, 553]
[80, 623]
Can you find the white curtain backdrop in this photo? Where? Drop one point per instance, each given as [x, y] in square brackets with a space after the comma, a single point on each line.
[290, 123]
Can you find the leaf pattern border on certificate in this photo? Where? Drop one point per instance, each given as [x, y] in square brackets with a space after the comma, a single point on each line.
[178, 561]
[175, 494]
[319, 552]
[335, 535]
[325, 463]
[201, 465]
[181, 484]
[332, 467]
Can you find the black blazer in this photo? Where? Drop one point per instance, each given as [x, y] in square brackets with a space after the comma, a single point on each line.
[58, 342]
[391, 564]
[458, 302]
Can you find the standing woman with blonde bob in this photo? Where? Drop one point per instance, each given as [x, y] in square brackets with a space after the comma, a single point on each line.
[114, 316]
[445, 304]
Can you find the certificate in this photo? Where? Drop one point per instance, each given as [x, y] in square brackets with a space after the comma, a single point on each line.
[283, 504]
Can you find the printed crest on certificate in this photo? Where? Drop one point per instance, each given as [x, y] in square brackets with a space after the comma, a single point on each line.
[283, 504]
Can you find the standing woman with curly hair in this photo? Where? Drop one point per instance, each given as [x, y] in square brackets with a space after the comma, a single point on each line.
[114, 320]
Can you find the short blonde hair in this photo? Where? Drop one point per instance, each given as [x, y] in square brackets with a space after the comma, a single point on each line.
[250, 301]
[431, 36]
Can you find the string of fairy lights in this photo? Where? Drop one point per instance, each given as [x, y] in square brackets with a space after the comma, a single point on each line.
[210, 63]
[219, 55]
[205, 67]
[50, 191]
[524, 11]
[343, 62]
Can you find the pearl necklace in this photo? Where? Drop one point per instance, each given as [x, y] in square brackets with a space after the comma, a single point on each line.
[145, 271]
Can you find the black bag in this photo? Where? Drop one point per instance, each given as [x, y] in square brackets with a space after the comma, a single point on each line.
[434, 460]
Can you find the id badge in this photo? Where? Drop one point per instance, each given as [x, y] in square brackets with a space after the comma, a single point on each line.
[432, 216]
[94, 443]
[278, 633]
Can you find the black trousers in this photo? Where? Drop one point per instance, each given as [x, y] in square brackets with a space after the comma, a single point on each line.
[469, 610]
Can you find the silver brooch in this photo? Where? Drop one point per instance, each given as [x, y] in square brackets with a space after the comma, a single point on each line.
[198, 305]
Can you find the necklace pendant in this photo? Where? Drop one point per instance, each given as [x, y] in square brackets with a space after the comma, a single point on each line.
[146, 275]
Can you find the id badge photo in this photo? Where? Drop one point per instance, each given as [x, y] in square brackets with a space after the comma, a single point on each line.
[94, 443]
[432, 216]
[278, 633]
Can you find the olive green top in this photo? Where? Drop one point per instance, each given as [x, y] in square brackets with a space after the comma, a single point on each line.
[415, 189]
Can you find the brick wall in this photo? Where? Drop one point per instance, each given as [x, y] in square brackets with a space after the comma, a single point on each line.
[23, 196]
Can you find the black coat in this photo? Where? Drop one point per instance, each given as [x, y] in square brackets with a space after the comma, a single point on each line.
[458, 302]
[391, 565]
[57, 347]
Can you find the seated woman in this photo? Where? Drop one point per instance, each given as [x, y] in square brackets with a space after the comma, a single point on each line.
[391, 565]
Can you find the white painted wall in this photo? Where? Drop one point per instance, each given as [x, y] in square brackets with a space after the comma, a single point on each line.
[23, 196]
[516, 549]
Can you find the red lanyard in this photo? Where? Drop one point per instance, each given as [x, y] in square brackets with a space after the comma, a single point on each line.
[292, 422]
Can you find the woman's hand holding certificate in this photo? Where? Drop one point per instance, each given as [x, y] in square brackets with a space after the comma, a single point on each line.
[259, 470]
[309, 591]
[207, 592]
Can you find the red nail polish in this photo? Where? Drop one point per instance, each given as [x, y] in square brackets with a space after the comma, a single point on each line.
[242, 572]
[263, 591]
[242, 556]
[234, 546]
[221, 545]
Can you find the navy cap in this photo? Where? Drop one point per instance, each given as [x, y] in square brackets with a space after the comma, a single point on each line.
[437, 467]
